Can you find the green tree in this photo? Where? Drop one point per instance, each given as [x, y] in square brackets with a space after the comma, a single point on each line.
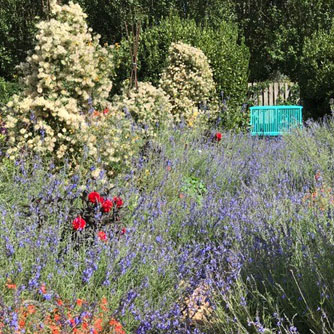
[108, 17]
[275, 31]
[317, 71]
[17, 30]
[297, 21]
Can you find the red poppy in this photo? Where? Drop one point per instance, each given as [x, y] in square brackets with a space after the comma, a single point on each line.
[105, 111]
[123, 231]
[107, 205]
[78, 223]
[95, 197]
[218, 136]
[102, 236]
[118, 201]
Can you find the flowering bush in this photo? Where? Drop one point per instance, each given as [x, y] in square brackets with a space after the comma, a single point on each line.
[188, 80]
[66, 69]
[117, 140]
[67, 61]
[149, 106]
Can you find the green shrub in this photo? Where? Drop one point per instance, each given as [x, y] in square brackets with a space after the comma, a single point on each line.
[17, 31]
[7, 89]
[317, 71]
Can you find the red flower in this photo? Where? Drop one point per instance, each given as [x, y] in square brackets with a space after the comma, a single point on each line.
[118, 201]
[105, 111]
[102, 236]
[107, 205]
[123, 231]
[95, 197]
[218, 136]
[79, 223]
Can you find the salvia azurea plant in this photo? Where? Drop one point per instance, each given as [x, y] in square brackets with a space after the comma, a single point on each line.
[225, 233]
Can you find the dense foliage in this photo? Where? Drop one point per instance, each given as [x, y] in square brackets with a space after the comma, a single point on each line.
[227, 57]
[17, 31]
[317, 71]
[275, 33]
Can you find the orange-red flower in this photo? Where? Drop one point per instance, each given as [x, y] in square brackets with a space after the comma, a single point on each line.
[95, 197]
[59, 302]
[102, 236]
[116, 326]
[11, 286]
[79, 302]
[43, 289]
[118, 201]
[31, 309]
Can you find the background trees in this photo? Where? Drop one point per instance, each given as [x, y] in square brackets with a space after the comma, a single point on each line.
[17, 30]
[275, 31]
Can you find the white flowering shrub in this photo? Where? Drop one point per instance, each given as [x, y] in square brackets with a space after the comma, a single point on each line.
[117, 139]
[67, 61]
[188, 80]
[66, 69]
[149, 106]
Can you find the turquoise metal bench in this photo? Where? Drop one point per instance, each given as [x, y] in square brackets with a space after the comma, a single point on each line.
[274, 120]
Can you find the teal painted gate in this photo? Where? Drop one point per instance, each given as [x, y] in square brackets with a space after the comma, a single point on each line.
[274, 120]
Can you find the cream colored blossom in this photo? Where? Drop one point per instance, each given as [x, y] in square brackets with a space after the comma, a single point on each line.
[149, 107]
[50, 116]
[188, 80]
